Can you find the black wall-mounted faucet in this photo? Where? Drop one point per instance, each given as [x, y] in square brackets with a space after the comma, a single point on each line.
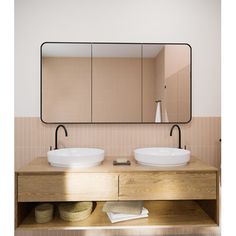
[179, 133]
[57, 132]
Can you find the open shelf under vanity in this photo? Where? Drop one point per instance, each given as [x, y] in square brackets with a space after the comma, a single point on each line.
[161, 214]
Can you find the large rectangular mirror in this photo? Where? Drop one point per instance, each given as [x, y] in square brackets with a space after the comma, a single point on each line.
[115, 83]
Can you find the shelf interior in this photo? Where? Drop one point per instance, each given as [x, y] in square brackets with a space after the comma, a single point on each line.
[161, 213]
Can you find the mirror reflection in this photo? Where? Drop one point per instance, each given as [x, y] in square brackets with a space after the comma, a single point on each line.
[166, 83]
[115, 83]
[66, 83]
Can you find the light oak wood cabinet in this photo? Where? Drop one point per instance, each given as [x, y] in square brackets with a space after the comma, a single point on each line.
[181, 196]
[167, 186]
[68, 187]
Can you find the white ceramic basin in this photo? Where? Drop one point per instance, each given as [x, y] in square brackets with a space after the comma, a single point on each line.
[76, 157]
[162, 156]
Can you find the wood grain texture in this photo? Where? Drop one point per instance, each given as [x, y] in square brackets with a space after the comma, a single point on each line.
[210, 207]
[68, 187]
[22, 212]
[167, 186]
[161, 213]
[40, 165]
[161, 231]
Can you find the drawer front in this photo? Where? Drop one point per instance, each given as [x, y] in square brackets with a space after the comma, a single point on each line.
[167, 186]
[68, 187]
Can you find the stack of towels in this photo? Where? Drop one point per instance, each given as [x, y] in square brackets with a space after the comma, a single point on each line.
[125, 210]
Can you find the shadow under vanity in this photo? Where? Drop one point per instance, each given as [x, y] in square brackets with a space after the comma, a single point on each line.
[118, 83]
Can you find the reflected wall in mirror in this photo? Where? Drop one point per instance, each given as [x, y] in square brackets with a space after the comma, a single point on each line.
[115, 83]
[166, 83]
[66, 83]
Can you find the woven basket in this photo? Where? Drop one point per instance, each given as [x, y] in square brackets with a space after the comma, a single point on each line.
[43, 213]
[75, 211]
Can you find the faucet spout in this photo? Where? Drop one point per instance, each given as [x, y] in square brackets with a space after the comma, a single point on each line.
[56, 132]
[179, 133]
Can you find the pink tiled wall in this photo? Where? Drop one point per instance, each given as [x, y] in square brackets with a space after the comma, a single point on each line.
[33, 138]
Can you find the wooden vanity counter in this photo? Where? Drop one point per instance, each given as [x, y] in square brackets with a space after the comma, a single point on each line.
[184, 195]
[41, 165]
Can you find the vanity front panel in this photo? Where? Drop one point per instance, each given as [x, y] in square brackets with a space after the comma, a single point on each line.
[68, 187]
[167, 186]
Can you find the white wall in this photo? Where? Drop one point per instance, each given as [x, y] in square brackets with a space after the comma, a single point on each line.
[196, 22]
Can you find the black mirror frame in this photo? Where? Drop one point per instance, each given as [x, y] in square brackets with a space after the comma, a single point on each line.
[93, 43]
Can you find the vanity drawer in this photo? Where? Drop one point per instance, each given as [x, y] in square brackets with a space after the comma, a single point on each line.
[167, 186]
[68, 187]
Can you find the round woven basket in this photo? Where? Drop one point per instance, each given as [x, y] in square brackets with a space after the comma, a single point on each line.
[43, 213]
[75, 211]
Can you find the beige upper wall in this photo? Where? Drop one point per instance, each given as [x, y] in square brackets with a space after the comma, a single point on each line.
[196, 22]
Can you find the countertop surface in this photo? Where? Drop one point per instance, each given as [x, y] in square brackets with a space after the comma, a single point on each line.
[41, 165]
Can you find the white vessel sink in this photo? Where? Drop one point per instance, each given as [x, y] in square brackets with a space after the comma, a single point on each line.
[162, 156]
[76, 157]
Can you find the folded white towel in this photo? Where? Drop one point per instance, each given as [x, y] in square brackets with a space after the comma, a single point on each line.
[117, 217]
[124, 207]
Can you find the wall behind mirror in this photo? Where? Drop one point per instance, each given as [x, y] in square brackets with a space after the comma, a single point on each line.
[115, 83]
